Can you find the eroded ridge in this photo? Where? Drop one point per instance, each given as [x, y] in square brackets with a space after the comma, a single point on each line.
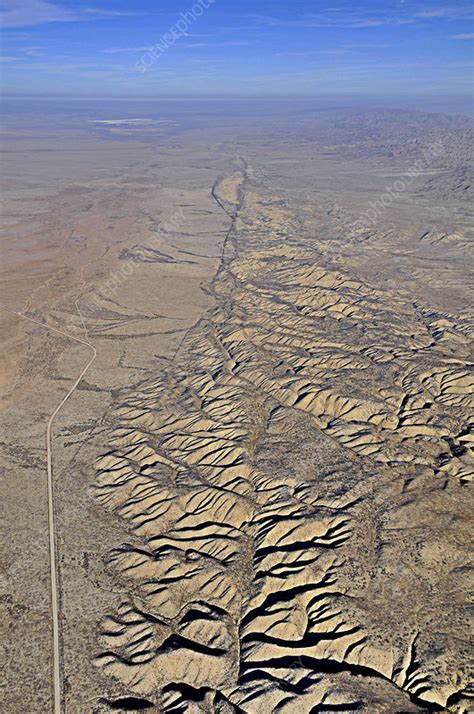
[293, 491]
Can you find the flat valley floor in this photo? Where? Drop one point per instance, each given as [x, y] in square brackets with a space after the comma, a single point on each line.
[262, 480]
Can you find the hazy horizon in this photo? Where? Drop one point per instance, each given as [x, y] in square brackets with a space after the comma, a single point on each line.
[253, 105]
[395, 53]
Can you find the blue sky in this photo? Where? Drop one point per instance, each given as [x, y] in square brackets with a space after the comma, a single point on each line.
[236, 48]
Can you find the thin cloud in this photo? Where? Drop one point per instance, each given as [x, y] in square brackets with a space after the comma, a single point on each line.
[462, 36]
[356, 48]
[366, 46]
[10, 35]
[447, 12]
[27, 13]
[35, 51]
[210, 45]
[336, 17]
[353, 22]
[101, 13]
[120, 50]
[183, 45]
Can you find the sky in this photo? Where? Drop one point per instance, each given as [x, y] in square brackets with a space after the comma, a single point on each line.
[249, 48]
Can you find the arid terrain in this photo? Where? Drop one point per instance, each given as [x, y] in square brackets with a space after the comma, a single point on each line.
[261, 480]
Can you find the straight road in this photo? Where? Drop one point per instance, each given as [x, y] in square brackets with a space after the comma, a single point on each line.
[57, 678]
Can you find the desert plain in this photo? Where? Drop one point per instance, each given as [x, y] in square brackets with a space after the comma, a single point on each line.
[258, 331]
